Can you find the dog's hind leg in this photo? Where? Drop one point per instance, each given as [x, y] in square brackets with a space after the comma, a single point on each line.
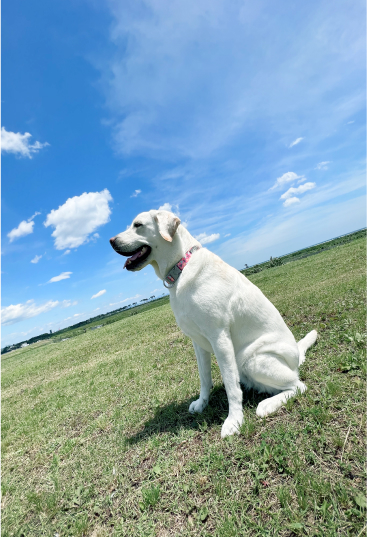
[271, 373]
[203, 358]
[272, 404]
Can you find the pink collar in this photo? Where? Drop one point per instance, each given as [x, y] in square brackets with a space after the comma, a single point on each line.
[175, 272]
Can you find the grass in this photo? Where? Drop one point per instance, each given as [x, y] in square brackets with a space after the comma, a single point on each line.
[98, 441]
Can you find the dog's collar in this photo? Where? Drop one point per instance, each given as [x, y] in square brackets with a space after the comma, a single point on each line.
[175, 272]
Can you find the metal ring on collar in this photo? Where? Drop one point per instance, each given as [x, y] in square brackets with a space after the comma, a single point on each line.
[168, 286]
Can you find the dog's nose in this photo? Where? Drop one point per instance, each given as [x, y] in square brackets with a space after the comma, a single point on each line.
[112, 240]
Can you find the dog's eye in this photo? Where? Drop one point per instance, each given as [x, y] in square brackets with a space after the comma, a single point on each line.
[137, 224]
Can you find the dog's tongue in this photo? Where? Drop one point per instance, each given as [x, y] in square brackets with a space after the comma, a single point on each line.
[135, 256]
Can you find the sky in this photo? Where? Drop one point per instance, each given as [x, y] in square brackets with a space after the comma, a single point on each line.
[246, 119]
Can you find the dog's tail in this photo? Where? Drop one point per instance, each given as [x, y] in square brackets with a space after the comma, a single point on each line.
[305, 344]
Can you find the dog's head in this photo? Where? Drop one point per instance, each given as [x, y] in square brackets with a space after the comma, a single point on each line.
[146, 234]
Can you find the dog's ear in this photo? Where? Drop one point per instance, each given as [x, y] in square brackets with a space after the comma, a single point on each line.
[167, 224]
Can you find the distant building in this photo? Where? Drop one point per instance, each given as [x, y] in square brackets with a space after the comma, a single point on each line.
[24, 345]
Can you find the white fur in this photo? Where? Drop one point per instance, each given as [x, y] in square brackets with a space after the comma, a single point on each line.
[224, 314]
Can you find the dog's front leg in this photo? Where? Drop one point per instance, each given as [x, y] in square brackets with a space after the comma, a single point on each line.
[224, 351]
[205, 372]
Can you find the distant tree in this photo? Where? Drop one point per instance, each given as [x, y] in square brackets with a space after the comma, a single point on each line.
[275, 262]
[152, 297]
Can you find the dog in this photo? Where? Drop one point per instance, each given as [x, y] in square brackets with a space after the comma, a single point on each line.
[222, 312]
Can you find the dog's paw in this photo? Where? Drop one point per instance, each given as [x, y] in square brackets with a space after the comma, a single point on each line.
[198, 406]
[232, 425]
[266, 407]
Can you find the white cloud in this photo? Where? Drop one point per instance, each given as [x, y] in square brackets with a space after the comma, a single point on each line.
[66, 252]
[165, 207]
[14, 142]
[68, 303]
[350, 122]
[136, 193]
[286, 178]
[97, 309]
[206, 239]
[62, 276]
[295, 142]
[298, 190]
[171, 208]
[290, 201]
[323, 165]
[19, 312]
[36, 259]
[78, 218]
[100, 293]
[227, 235]
[24, 228]
[125, 300]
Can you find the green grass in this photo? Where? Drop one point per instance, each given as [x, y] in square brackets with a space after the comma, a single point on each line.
[306, 252]
[97, 439]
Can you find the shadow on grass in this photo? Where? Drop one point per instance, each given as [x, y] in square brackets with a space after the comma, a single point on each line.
[175, 416]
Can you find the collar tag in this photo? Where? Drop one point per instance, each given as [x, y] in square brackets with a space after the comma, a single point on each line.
[175, 272]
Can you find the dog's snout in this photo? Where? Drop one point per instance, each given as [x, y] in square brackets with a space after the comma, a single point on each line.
[112, 240]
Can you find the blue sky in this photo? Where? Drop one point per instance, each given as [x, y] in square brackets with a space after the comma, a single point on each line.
[246, 118]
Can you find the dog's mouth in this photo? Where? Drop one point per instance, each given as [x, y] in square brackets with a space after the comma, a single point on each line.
[137, 257]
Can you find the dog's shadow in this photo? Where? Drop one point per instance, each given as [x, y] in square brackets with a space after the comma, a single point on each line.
[175, 416]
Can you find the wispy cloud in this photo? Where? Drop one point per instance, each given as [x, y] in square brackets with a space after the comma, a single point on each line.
[286, 178]
[135, 194]
[19, 312]
[171, 207]
[298, 190]
[323, 165]
[125, 300]
[19, 144]
[24, 228]
[62, 276]
[198, 52]
[295, 142]
[290, 201]
[68, 303]
[36, 259]
[100, 293]
[206, 239]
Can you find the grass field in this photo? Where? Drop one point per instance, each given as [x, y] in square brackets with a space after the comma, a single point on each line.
[98, 441]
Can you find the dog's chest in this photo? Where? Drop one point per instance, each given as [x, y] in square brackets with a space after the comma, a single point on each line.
[188, 320]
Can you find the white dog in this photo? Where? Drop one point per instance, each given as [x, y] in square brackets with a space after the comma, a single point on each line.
[222, 312]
